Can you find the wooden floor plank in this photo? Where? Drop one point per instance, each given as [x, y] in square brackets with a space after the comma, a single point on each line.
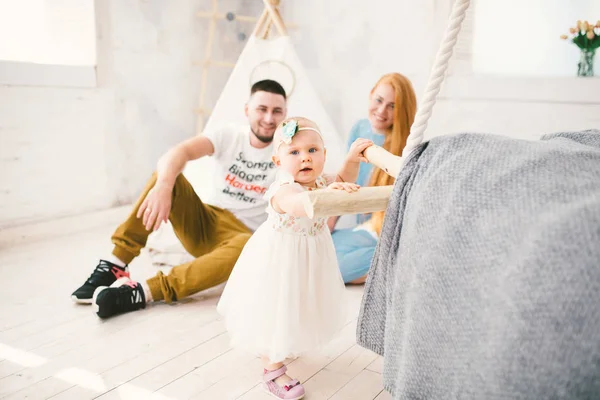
[141, 361]
[95, 356]
[209, 373]
[54, 349]
[377, 365]
[338, 373]
[180, 366]
[240, 380]
[384, 396]
[364, 386]
[257, 393]
[41, 390]
[8, 368]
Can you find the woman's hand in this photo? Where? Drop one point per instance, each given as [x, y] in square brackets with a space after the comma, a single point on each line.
[355, 153]
[347, 186]
[156, 207]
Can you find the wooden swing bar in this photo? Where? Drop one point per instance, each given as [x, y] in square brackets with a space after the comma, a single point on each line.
[328, 202]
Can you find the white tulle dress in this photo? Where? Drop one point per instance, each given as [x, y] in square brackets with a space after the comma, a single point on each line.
[285, 294]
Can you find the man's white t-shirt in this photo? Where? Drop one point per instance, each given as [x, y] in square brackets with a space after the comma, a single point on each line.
[243, 174]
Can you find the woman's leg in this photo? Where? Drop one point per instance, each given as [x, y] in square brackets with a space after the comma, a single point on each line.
[354, 250]
[359, 281]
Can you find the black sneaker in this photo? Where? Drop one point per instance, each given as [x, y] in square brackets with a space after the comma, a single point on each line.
[105, 274]
[123, 296]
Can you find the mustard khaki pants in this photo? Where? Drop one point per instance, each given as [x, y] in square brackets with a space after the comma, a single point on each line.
[213, 235]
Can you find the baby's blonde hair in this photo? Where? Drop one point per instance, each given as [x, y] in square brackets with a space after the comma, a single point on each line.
[302, 123]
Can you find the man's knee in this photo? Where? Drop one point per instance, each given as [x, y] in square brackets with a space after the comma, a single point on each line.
[235, 243]
[181, 180]
[239, 240]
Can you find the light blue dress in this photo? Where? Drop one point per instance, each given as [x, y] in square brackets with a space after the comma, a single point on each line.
[355, 248]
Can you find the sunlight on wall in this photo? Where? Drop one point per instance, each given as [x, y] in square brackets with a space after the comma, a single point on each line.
[58, 32]
[521, 37]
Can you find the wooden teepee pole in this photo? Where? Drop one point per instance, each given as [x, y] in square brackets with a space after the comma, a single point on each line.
[272, 8]
[260, 24]
[269, 17]
[205, 65]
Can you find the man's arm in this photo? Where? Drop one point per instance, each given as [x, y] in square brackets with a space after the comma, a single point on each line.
[156, 207]
[172, 163]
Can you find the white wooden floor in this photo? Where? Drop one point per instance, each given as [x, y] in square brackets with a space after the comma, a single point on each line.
[53, 349]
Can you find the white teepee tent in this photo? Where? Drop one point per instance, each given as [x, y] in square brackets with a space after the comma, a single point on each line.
[261, 58]
[266, 59]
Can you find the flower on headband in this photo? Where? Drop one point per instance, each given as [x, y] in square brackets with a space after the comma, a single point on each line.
[289, 130]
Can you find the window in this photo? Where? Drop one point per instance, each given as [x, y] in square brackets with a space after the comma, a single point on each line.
[521, 37]
[47, 42]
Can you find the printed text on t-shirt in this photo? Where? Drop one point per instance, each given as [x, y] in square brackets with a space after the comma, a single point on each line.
[244, 175]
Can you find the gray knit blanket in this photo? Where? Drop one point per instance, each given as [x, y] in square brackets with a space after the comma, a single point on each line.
[486, 281]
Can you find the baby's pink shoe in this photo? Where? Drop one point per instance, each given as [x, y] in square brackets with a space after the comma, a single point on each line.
[293, 390]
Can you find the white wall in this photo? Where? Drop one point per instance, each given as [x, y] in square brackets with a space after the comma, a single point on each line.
[346, 45]
[65, 151]
[53, 151]
[346, 51]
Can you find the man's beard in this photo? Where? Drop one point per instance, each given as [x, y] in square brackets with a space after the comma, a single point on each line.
[262, 138]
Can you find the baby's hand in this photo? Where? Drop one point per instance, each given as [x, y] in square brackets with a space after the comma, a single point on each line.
[355, 154]
[347, 186]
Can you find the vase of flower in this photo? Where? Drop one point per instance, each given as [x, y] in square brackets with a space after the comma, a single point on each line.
[587, 38]
[586, 62]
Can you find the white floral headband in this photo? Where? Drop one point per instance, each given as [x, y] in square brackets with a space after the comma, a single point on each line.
[290, 128]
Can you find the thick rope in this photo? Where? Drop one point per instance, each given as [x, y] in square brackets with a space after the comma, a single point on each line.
[417, 130]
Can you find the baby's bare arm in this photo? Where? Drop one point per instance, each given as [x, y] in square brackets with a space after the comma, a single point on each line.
[288, 200]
